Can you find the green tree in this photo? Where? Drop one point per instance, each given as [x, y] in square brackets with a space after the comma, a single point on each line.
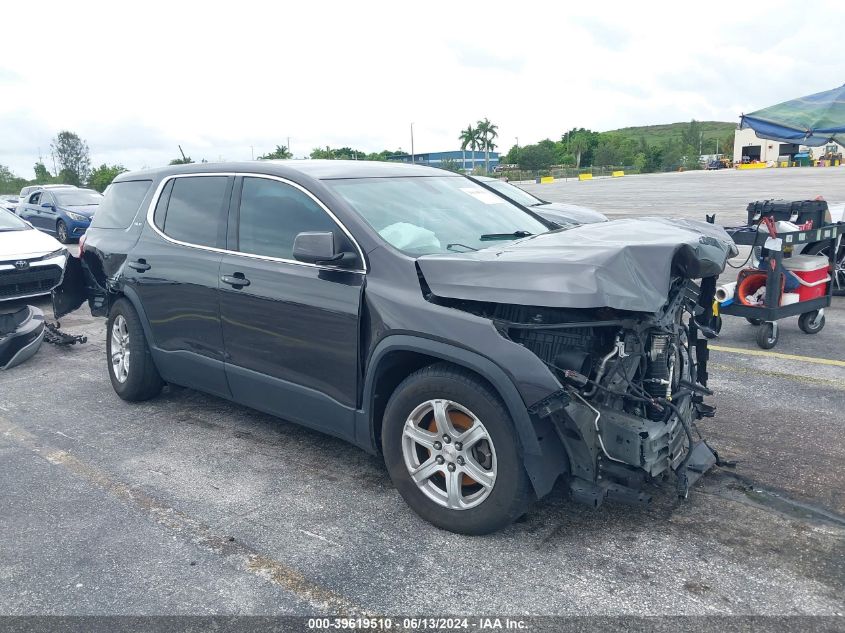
[42, 176]
[319, 152]
[183, 160]
[9, 183]
[691, 136]
[471, 138]
[102, 176]
[72, 156]
[535, 157]
[280, 153]
[487, 132]
[578, 144]
[450, 164]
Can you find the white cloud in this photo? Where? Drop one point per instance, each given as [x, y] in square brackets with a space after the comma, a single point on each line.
[137, 80]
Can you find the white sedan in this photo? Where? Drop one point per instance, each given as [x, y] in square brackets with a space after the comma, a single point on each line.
[31, 262]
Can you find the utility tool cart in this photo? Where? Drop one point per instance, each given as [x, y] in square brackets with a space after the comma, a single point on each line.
[776, 253]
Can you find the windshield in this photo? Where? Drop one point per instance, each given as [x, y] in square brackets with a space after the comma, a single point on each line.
[514, 193]
[77, 198]
[424, 215]
[11, 222]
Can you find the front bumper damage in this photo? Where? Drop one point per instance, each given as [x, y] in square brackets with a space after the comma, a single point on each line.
[21, 335]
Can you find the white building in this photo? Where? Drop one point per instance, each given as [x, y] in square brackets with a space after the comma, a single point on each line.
[747, 144]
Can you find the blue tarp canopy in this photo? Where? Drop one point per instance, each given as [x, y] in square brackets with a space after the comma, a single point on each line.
[812, 120]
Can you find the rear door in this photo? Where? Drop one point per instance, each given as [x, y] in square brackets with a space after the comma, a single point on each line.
[291, 329]
[174, 269]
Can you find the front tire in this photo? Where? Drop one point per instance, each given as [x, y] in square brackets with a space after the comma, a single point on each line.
[61, 232]
[450, 447]
[131, 370]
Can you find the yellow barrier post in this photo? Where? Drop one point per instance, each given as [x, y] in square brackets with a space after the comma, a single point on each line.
[585, 176]
[545, 180]
[617, 174]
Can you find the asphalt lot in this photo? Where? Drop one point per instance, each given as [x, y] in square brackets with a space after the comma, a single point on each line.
[188, 504]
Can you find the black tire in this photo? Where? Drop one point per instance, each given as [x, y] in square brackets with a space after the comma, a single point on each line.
[822, 248]
[142, 380]
[511, 491]
[767, 335]
[810, 322]
[61, 232]
[754, 321]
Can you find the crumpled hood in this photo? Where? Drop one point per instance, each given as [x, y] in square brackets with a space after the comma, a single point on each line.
[26, 244]
[624, 264]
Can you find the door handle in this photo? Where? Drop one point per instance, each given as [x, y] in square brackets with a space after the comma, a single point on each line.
[236, 280]
[141, 265]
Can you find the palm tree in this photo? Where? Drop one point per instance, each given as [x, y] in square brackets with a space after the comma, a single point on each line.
[468, 138]
[577, 145]
[488, 132]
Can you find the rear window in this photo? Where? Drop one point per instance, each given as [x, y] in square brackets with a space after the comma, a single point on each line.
[121, 203]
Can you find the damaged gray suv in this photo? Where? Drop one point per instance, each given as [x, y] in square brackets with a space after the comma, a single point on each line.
[481, 349]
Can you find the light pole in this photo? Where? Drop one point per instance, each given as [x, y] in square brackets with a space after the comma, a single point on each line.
[517, 148]
[412, 142]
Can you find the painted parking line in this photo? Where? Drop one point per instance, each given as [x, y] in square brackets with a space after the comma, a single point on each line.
[763, 352]
[190, 529]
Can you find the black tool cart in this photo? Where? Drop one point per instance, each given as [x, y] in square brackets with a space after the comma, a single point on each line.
[773, 247]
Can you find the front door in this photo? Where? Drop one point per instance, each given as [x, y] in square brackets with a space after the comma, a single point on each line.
[174, 270]
[290, 329]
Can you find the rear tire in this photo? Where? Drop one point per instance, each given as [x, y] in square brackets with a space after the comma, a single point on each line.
[491, 487]
[133, 375]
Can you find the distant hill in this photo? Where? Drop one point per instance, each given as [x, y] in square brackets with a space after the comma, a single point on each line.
[658, 134]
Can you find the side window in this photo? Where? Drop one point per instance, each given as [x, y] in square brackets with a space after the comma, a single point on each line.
[34, 198]
[272, 213]
[122, 201]
[196, 209]
[161, 205]
[46, 196]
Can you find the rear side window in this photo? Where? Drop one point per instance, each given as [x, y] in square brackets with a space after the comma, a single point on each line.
[196, 210]
[122, 201]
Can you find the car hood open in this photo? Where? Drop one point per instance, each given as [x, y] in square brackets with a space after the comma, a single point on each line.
[624, 264]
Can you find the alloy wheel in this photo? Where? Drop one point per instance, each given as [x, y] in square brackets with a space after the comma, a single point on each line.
[449, 454]
[120, 352]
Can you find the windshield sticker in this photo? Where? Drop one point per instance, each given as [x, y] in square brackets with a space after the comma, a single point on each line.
[482, 195]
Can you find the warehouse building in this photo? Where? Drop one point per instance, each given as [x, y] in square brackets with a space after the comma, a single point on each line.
[749, 148]
[467, 160]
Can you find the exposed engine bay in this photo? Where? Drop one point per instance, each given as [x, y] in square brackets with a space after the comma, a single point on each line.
[632, 365]
[633, 388]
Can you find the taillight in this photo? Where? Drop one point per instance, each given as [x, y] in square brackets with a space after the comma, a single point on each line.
[81, 244]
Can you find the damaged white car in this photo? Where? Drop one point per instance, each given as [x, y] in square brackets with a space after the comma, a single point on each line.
[31, 264]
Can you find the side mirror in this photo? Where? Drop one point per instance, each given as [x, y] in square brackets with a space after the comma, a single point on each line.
[313, 247]
[47, 205]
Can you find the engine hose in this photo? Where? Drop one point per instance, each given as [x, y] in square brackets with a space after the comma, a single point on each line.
[598, 430]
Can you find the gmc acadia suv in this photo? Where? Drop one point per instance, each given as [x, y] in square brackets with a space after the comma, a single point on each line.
[483, 351]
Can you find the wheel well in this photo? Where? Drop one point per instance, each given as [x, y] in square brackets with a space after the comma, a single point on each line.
[392, 370]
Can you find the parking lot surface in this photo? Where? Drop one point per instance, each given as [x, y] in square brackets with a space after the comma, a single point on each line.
[188, 504]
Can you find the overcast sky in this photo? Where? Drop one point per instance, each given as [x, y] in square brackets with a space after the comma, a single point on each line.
[136, 79]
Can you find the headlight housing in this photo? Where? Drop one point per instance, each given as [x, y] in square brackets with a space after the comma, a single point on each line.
[78, 217]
